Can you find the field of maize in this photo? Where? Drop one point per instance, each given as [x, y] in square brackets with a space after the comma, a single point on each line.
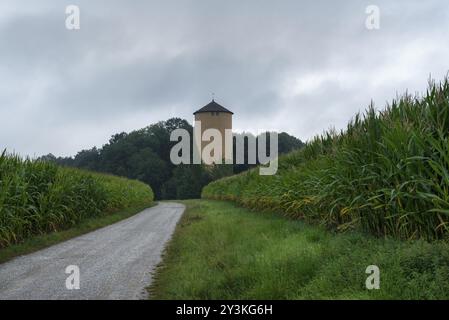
[386, 174]
[38, 197]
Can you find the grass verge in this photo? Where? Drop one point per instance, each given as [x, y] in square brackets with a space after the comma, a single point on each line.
[38, 242]
[221, 251]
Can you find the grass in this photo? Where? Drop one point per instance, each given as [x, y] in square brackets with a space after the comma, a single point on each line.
[37, 197]
[387, 174]
[221, 251]
[39, 242]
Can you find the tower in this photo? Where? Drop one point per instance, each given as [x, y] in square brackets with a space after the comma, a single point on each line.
[214, 116]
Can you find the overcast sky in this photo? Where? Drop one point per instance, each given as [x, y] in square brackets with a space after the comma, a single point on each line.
[296, 66]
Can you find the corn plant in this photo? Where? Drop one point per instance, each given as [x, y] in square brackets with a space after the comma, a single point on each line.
[38, 197]
[387, 173]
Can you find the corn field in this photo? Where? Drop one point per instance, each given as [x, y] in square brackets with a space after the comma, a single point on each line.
[386, 174]
[38, 197]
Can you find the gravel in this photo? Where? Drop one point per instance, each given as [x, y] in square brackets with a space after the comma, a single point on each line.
[115, 262]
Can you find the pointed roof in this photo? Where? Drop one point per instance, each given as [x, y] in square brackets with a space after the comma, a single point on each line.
[213, 107]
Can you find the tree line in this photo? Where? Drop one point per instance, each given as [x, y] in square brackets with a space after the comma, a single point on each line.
[145, 155]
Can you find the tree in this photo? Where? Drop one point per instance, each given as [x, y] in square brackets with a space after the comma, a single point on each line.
[87, 159]
[188, 181]
[145, 155]
[287, 143]
[145, 165]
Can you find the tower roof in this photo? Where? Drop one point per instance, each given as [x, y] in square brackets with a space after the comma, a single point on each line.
[213, 107]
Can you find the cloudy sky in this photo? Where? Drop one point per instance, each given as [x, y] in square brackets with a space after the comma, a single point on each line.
[296, 66]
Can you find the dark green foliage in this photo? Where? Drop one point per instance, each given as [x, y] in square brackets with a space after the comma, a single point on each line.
[186, 182]
[145, 155]
[142, 154]
[287, 143]
[387, 174]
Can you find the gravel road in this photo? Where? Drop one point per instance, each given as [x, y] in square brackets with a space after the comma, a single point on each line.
[115, 262]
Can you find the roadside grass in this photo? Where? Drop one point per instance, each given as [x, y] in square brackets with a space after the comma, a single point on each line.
[39, 242]
[221, 251]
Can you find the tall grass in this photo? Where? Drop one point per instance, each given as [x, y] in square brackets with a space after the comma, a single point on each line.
[387, 173]
[38, 197]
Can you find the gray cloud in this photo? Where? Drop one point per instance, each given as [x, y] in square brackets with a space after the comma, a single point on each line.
[297, 66]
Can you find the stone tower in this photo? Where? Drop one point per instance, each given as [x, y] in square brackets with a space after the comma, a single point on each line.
[214, 116]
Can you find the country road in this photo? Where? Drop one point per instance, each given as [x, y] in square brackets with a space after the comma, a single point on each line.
[115, 262]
